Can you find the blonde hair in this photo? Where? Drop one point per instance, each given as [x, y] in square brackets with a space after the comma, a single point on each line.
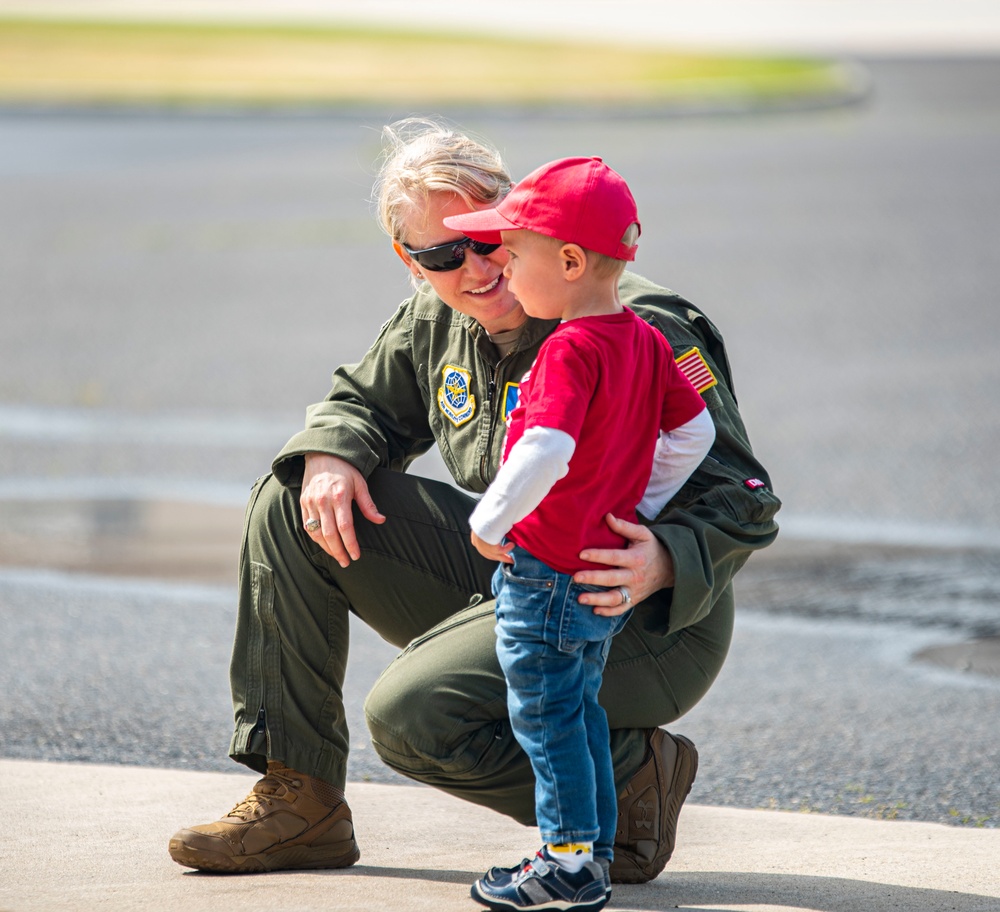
[610, 267]
[421, 156]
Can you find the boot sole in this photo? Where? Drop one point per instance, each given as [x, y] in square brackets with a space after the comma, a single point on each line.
[685, 771]
[303, 858]
[553, 905]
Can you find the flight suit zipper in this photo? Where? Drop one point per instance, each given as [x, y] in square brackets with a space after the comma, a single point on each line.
[485, 466]
[257, 741]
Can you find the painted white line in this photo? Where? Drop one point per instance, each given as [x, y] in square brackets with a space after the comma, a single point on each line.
[220, 494]
[78, 425]
[74, 584]
[882, 532]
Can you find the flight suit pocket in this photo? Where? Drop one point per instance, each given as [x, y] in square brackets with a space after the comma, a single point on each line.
[715, 484]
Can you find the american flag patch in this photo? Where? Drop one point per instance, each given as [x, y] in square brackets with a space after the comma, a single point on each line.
[694, 367]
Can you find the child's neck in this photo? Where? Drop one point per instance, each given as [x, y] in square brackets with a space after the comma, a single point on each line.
[598, 298]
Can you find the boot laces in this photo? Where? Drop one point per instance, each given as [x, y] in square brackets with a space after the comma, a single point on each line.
[275, 786]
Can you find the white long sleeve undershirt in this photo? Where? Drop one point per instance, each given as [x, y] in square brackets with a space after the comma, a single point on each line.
[541, 457]
[535, 463]
[678, 453]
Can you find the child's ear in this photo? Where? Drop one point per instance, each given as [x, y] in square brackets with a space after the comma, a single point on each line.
[574, 261]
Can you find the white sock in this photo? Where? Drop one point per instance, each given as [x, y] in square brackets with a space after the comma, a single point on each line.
[571, 856]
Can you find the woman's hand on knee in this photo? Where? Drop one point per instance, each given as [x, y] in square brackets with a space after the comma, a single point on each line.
[640, 569]
[330, 488]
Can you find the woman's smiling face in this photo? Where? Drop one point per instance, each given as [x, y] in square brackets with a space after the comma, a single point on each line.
[478, 287]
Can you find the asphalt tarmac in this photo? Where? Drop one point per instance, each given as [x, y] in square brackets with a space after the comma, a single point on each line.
[176, 288]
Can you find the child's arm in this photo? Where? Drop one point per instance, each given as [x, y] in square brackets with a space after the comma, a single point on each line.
[678, 453]
[535, 463]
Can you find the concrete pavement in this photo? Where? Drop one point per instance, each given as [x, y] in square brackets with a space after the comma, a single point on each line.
[90, 837]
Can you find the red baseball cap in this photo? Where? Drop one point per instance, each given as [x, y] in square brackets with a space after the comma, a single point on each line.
[577, 200]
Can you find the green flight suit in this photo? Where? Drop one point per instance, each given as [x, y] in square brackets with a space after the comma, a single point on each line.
[438, 713]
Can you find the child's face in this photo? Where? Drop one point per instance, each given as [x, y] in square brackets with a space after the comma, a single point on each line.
[534, 273]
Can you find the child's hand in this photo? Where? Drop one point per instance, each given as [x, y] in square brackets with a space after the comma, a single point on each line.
[499, 553]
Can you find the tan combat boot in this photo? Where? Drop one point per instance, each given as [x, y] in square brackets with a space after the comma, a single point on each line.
[289, 820]
[649, 806]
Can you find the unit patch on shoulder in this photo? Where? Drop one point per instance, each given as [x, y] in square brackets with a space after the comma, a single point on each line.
[696, 369]
[454, 397]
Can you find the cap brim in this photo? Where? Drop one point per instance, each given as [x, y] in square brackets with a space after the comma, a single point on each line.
[482, 225]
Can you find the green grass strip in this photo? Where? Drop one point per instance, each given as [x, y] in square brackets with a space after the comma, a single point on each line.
[48, 61]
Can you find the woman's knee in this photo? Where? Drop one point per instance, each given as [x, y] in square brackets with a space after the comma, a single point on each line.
[438, 705]
[269, 513]
[406, 723]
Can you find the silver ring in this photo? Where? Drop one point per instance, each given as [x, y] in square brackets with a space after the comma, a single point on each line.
[312, 525]
[626, 597]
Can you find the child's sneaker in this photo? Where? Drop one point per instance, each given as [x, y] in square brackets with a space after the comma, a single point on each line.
[497, 876]
[541, 884]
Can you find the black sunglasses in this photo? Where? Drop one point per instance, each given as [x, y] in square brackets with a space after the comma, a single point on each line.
[446, 257]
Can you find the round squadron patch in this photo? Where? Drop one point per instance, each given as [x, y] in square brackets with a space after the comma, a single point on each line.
[454, 398]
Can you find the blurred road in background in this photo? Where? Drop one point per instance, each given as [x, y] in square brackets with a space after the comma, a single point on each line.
[175, 289]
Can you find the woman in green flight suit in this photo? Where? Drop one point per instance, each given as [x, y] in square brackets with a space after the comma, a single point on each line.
[339, 527]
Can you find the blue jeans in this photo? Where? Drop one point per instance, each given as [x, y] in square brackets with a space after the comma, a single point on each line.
[553, 650]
